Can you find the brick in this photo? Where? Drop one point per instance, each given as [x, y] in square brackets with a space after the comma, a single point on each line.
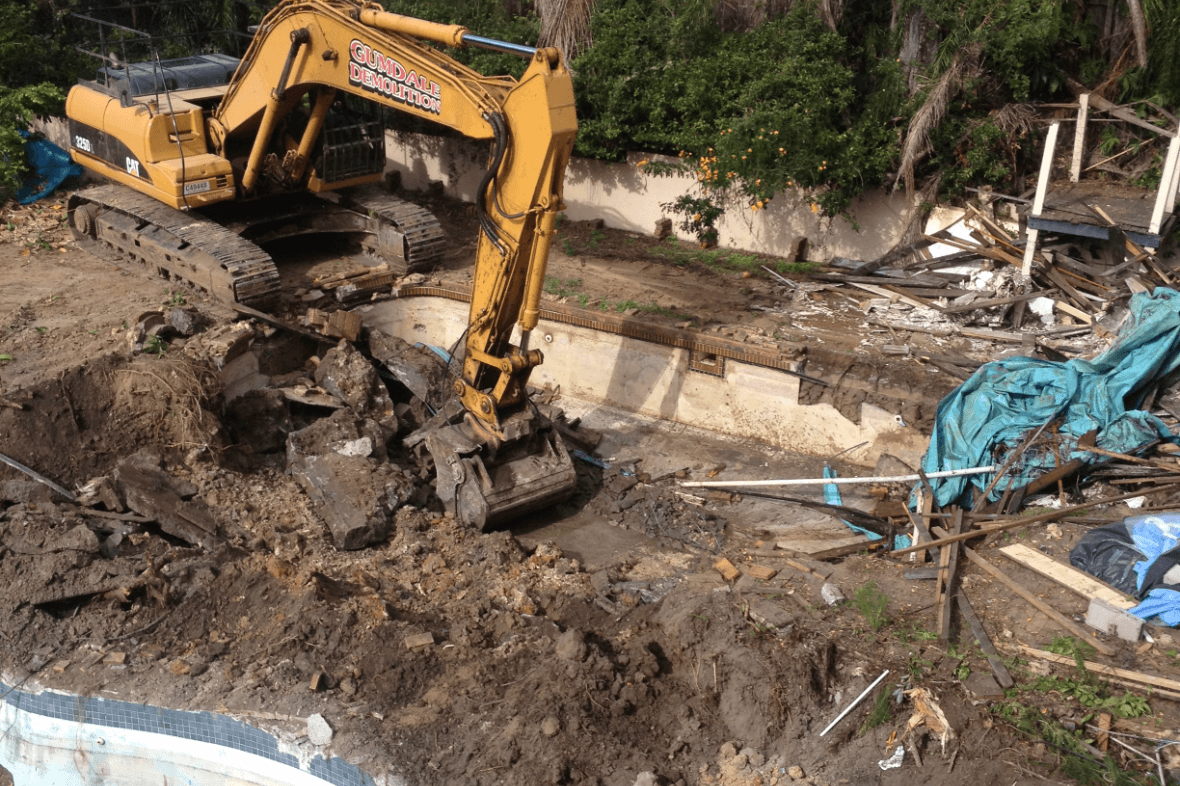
[319, 681]
[115, 658]
[726, 569]
[761, 572]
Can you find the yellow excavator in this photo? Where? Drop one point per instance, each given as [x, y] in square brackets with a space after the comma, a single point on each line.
[215, 156]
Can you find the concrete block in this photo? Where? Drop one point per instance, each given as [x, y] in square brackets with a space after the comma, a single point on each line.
[1108, 619]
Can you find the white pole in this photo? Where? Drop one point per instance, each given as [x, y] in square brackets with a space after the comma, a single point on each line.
[948, 473]
[848, 709]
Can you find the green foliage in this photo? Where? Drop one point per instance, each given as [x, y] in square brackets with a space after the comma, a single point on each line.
[155, 346]
[1092, 695]
[562, 288]
[1072, 648]
[881, 706]
[751, 113]
[871, 602]
[30, 63]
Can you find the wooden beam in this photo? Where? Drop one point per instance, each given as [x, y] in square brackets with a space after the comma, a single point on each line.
[1099, 668]
[1044, 608]
[1079, 138]
[1066, 575]
[1165, 199]
[947, 574]
[1030, 248]
[1039, 519]
[1074, 312]
[985, 642]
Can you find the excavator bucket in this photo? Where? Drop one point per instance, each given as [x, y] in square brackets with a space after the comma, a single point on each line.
[483, 487]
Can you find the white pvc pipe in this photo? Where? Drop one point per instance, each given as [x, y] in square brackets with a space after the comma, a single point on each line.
[948, 473]
[858, 700]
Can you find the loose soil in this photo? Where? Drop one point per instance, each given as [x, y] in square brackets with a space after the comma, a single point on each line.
[586, 646]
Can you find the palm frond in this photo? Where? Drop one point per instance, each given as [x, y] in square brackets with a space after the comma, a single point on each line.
[565, 24]
[932, 112]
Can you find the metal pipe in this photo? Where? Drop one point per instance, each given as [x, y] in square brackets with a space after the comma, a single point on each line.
[856, 701]
[498, 46]
[948, 473]
[38, 477]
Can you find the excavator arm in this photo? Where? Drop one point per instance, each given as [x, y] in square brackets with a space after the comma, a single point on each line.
[498, 457]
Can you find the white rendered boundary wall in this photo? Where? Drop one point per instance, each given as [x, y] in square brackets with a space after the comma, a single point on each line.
[626, 197]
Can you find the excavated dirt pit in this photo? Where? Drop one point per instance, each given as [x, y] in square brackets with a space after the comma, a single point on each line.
[586, 645]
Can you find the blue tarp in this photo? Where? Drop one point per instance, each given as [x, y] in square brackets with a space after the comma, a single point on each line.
[992, 413]
[51, 166]
[832, 497]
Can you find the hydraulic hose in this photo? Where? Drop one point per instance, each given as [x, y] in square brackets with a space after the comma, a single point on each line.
[500, 131]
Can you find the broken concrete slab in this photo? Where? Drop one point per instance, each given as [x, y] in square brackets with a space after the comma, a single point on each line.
[421, 370]
[340, 462]
[354, 495]
[347, 374]
[318, 730]
[339, 432]
[151, 492]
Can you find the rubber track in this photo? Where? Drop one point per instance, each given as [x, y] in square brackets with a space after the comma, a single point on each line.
[253, 273]
[425, 239]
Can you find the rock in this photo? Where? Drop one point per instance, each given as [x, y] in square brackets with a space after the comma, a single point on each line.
[600, 580]
[318, 730]
[347, 374]
[646, 779]
[550, 726]
[25, 491]
[187, 321]
[179, 667]
[753, 757]
[729, 750]
[796, 773]
[571, 646]
[80, 538]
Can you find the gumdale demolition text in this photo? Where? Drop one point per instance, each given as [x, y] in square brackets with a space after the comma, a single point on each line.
[378, 73]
